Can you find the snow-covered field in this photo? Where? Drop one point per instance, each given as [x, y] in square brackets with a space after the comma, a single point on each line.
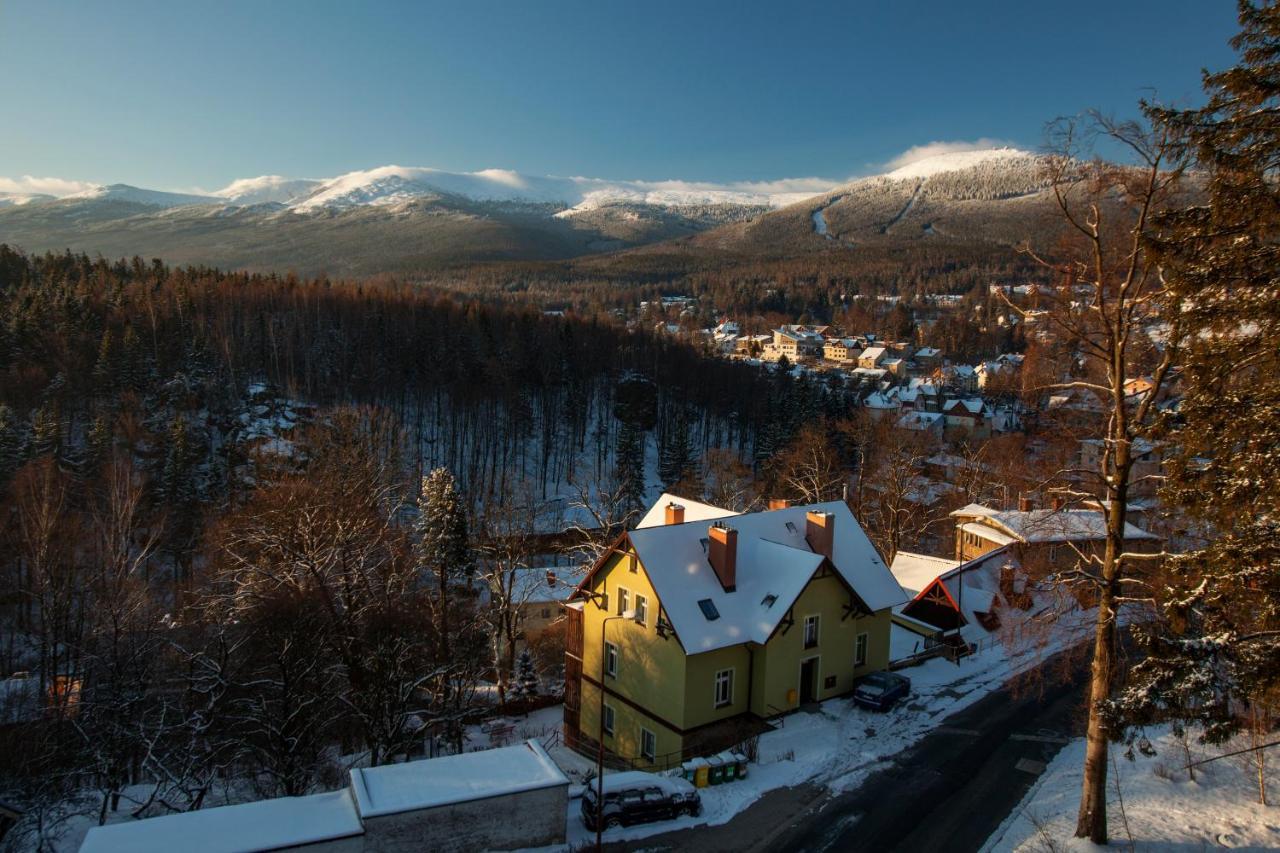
[1151, 803]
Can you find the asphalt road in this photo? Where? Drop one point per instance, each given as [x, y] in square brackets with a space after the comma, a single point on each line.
[948, 792]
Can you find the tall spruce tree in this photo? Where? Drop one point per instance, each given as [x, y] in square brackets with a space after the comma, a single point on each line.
[444, 547]
[1216, 652]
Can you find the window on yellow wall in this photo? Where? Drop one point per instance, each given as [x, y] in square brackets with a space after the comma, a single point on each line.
[648, 744]
[611, 660]
[724, 688]
[624, 600]
[810, 632]
[860, 650]
[642, 609]
[606, 722]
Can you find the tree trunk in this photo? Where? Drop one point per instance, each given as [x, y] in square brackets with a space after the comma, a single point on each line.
[1091, 822]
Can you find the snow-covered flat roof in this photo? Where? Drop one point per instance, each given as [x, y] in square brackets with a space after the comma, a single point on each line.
[264, 825]
[397, 788]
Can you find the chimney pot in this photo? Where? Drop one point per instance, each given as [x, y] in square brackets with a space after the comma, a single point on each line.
[722, 552]
[675, 513]
[820, 528]
[778, 503]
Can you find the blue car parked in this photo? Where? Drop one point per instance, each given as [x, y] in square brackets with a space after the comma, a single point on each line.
[880, 691]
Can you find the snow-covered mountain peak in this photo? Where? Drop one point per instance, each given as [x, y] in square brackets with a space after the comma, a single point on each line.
[137, 195]
[267, 189]
[954, 161]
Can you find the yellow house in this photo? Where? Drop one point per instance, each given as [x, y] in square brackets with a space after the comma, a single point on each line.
[730, 619]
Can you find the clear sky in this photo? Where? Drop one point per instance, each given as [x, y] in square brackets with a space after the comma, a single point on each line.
[180, 94]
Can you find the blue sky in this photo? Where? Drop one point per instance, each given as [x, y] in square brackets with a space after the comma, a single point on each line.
[194, 94]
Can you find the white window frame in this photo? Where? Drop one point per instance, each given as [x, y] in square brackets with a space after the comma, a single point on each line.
[724, 676]
[642, 609]
[861, 644]
[611, 656]
[652, 752]
[608, 720]
[624, 599]
[812, 619]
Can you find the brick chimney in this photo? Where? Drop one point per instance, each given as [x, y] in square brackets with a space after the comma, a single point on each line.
[820, 530]
[675, 513]
[722, 551]
[1025, 503]
[779, 503]
[1059, 501]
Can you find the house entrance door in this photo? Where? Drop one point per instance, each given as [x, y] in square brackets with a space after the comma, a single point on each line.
[809, 681]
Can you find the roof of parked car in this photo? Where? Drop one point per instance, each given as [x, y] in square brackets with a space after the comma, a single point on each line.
[614, 782]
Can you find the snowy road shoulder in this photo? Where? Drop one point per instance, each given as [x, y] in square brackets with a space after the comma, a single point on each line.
[1154, 803]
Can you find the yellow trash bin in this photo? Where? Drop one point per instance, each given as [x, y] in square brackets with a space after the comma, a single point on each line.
[702, 776]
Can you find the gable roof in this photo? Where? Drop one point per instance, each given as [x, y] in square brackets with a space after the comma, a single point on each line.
[914, 572]
[1045, 525]
[693, 511]
[774, 561]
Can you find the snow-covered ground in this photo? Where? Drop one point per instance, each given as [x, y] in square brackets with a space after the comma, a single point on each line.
[839, 746]
[1151, 803]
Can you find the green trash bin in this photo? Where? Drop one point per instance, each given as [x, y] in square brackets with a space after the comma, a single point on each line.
[740, 765]
[717, 770]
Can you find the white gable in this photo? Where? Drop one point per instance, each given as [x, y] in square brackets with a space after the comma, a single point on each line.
[693, 511]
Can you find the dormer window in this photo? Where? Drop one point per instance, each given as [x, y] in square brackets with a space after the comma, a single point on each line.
[708, 608]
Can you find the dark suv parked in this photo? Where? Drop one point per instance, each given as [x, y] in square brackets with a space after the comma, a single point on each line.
[880, 691]
[638, 797]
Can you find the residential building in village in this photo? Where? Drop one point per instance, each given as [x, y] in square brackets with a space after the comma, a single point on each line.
[841, 350]
[797, 342]
[1043, 539]
[730, 619]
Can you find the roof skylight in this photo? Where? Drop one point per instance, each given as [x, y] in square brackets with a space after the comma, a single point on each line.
[708, 608]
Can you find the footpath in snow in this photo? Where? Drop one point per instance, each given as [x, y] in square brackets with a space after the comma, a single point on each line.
[1151, 803]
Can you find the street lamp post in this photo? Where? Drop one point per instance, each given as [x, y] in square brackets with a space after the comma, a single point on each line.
[604, 659]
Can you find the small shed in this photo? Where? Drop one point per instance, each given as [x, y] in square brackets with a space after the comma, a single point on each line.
[495, 799]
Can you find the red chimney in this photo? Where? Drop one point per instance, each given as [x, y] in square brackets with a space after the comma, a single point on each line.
[1025, 504]
[722, 551]
[820, 531]
[675, 513]
[778, 503]
[1059, 501]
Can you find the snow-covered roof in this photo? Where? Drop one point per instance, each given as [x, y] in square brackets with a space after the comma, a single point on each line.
[986, 531]
[1043, 525]
[972, 406]
[640, 779]
[693, 511]
[927, 352]
[285, 822]
[397, 788]
[916, 571]
[774, 563]
[872, 352]
[919, 420]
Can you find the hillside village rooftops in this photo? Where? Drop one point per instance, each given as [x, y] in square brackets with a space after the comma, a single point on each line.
[286, 822]
[873, 352]
[774, 564]
[398, 788]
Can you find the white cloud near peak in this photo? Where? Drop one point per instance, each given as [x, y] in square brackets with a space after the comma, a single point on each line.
[31, 185]
[932, 149]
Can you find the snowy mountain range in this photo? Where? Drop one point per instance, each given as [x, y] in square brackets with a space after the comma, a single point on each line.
[396, 217]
